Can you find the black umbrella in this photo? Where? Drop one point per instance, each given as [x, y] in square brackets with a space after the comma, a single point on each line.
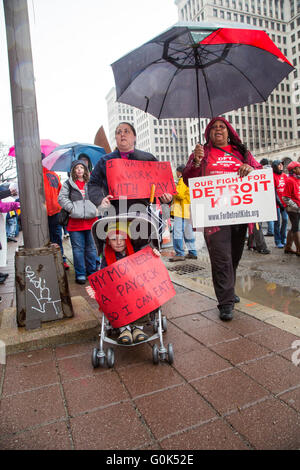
[200, 70]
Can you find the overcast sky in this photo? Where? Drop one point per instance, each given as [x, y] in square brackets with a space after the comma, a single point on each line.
[73, 44]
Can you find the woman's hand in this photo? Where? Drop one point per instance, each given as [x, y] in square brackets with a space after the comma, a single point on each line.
[106, 202]
[166, 198]
[156, 252]
[244, 170]
[198, 154]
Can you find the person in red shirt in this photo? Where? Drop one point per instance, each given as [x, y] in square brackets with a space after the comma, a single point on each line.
[222, 153]
[52, 187]
[291, 197]
[74, 198]
[280, 229]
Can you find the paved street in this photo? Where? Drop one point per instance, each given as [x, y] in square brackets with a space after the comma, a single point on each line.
[232, 385]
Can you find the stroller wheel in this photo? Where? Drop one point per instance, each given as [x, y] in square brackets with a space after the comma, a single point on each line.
[155, 354]
[170, 353]
[110, 357]
[95, 358]
[164, 323]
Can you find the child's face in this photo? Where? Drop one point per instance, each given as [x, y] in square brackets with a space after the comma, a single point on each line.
[117, 241]
[79, 171]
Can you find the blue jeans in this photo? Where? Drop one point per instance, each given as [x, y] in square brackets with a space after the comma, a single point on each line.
[11, 227]
[271, 227]
[280, 230]
[183, 230]
[84, 253]
[55, 232]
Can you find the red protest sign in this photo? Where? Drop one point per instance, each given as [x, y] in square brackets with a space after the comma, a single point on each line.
[134, 178]
[132, 287]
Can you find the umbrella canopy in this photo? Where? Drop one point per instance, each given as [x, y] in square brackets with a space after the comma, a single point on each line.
[47, 146]
[200, 70]
[62, 157]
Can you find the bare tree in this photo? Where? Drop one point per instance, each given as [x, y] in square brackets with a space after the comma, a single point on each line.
[7, 165]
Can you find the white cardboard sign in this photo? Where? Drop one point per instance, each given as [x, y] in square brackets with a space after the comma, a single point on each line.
[229, 199]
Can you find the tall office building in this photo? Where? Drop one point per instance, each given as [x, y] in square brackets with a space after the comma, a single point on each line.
[165, 138]
[264, 126]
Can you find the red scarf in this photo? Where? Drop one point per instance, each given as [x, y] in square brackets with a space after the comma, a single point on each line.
[110, 254]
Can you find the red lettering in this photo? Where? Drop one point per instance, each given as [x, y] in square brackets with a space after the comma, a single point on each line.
[208, 192]
[197, 193]
[235, 200]
[247, 199]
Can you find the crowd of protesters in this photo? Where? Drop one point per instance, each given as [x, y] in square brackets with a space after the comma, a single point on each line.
[86, 190]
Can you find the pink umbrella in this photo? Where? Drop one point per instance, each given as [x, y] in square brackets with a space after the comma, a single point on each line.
[46, 147]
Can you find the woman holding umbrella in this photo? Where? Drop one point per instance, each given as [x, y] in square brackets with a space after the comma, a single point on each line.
[225, 244]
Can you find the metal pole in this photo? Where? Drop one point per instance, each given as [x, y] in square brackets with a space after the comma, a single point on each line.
[25, 122]
[42, 290]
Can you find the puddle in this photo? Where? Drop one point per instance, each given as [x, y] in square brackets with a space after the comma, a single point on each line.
[256, 289]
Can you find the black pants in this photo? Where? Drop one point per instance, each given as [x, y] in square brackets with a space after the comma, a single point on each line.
[256, 239]
[225, 248]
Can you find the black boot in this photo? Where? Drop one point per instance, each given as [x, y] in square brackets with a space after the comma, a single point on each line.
[226, 313]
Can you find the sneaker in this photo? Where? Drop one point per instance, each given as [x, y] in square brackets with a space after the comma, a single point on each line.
[280, 245]
[125, 337]
[190, 256]
[264, 252]
[226, 313]
[177, 258]
[269, 234]
[66, 266]
[138, 335]
[12, 239]
[80, 280]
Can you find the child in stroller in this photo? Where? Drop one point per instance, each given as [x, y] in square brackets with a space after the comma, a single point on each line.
[115, 238]
[118, 245]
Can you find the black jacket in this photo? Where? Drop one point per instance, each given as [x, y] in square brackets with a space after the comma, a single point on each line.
[97, 186]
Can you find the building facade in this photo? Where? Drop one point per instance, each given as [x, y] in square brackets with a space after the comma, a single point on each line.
[268, 128]
[265, 127]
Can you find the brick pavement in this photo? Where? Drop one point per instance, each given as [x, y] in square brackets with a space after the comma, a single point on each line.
[232, 386]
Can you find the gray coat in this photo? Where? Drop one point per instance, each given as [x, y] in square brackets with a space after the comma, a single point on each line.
[71, 199]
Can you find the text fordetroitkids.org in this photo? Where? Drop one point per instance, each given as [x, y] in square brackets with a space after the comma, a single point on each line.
[234, 214]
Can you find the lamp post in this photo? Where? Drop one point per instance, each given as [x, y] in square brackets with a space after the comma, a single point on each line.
[41, 283]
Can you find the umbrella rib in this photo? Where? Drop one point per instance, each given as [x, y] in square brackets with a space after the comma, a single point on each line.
[245, 76]
[166, 92]
[228, 62]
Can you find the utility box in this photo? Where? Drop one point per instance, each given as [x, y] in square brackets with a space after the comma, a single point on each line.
[42, 289]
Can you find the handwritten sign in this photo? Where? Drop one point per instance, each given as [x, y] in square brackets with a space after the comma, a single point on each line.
[134, 178]
[132, 287]
[229, 199]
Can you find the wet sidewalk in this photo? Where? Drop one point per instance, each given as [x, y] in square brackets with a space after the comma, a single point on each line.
[232, 385]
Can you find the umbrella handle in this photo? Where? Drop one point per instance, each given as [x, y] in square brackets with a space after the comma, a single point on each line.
[152, 193]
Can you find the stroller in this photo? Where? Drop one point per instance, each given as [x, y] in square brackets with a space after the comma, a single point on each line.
[139, 224]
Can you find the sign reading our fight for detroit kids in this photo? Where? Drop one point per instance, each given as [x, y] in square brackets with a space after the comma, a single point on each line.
[132, 287]
[134, 178]
[229, 199]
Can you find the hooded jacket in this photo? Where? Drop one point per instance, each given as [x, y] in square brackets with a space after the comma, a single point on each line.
[181, 201]
[191, 171]
[71, 199]
[279, 184]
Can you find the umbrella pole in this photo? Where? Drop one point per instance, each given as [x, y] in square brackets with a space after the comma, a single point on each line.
[198, 105]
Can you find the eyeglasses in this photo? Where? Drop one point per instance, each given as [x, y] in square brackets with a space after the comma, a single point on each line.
[123, 131]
